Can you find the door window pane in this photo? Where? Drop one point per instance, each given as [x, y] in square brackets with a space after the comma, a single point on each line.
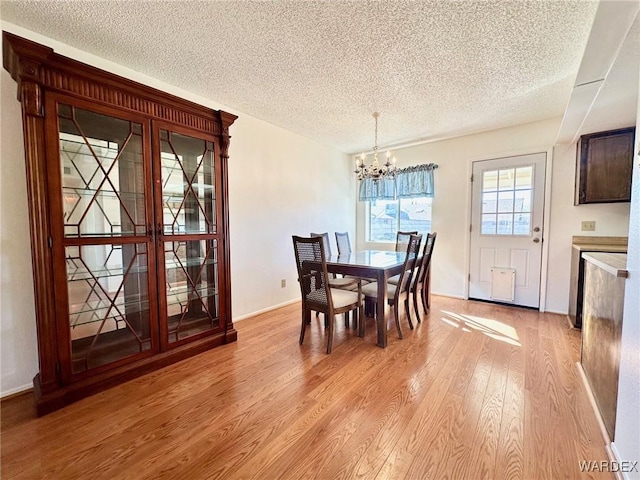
[522, 224]
[489, 223]
[505, 201]
[506, 179]
[489, 202]
[505, 223]
[524, 177]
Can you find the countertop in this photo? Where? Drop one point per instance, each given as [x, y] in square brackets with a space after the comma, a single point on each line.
[600, 244]
[595, 247]
[613, 263]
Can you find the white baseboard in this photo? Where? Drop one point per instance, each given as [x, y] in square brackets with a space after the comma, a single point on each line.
[559, 312]
[265, 310]
[594, 405]
[16, 390]
[448, 295]
[614, 455]
[609, 446]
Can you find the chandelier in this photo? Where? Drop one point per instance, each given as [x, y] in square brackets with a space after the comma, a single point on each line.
[375, 171]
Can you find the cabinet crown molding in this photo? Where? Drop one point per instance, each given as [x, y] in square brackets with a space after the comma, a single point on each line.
[28, 60]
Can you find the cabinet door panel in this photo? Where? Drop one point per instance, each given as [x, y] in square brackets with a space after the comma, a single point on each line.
[109, 315]
[191, 269]
[188, 184]
[187, 190]
[105, 307]
[101, 159]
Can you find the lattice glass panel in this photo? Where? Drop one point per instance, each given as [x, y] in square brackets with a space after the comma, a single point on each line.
[101, 162]
[192, 287]
[188, 184]
[108, 303]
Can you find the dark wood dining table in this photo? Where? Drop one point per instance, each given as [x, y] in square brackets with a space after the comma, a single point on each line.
[379, 265]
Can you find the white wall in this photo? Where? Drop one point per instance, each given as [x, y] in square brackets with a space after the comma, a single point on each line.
[18, 359]
[452, 200]
[612, 220]
[450, 216]
[626, 444]
[280, 184]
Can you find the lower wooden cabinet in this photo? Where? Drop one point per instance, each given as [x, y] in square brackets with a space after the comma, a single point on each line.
[129, 223]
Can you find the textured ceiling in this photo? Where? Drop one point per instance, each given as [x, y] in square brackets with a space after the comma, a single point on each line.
[617, 102]
[433, 69]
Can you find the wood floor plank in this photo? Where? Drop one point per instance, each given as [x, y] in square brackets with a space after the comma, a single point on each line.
[474, 391]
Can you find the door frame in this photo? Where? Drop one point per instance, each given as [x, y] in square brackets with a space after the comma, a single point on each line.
[546, 214]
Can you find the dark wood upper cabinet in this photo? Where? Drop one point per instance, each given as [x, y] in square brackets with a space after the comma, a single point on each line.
[604, 166]
[129, 223]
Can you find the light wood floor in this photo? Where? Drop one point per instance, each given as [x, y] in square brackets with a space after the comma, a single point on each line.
[475, 391]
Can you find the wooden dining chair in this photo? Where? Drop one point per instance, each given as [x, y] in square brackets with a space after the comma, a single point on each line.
[419, 285]
[347, 283]
[343, 243]
[315, 290]
[402, 238]
[400, 292]
[344, 248]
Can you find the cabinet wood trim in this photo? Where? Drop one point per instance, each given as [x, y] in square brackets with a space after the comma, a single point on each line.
[41, 73]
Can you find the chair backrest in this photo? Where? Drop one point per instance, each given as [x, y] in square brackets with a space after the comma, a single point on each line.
[413, 248]
[312, 270]
[426, 258]
[402, 239]
[344, 245]
[327, 244]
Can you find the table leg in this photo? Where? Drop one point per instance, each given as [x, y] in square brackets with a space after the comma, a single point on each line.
[382, 310]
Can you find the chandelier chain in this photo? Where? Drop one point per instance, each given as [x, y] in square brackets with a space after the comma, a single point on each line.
[375, 171]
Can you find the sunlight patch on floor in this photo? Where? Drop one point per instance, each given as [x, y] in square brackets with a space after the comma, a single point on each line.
[488, 326]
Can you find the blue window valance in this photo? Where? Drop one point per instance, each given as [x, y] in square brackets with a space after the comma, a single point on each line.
[410, 182]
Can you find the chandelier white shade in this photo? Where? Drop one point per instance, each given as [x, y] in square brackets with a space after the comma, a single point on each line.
[375, 171]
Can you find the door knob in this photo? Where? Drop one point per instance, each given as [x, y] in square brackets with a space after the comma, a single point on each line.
[536, 240]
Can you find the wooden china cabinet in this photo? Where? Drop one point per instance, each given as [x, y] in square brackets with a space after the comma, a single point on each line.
[129, 223]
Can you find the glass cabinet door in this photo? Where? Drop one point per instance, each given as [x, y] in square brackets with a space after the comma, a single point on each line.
[105, 239]
[188, 215]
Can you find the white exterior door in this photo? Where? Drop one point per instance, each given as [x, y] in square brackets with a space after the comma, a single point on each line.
[506, 229]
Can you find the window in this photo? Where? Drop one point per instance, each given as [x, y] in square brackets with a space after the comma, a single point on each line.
[386, 217]
[506, 201]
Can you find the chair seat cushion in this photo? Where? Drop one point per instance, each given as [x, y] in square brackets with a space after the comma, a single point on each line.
[342, 282]
[394, 280]
[371, 290]
[342, 298]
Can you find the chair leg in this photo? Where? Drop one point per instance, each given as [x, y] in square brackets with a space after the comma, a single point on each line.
[346, 319]
[407, 312]
[395, 313]
[425, 300]
[415, 303]
[360, 322]
[330, 333]
[306, 318]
